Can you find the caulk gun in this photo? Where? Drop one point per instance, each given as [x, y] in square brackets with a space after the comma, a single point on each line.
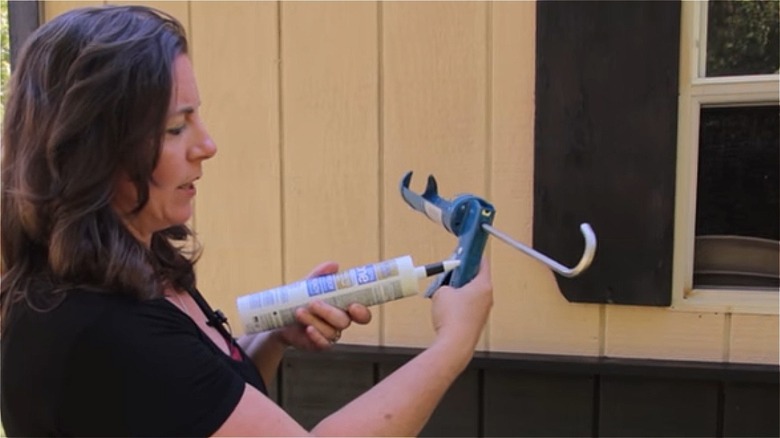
[470, 218]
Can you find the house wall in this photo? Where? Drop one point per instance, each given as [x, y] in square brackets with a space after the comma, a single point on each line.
[318, 109]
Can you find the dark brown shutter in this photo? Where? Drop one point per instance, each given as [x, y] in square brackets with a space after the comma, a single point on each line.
[605, 144]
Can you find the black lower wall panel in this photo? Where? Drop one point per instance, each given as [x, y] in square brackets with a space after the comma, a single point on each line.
[522, 404]
[313, 388]
[751, 410]
[273, 390]
[644, 407]
[458, 412]
[522, 395]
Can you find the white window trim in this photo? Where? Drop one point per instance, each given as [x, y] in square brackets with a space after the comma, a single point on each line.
[696, 91]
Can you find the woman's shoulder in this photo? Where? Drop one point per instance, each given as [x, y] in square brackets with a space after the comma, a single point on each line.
[46, 337]
[87, 305]
[81, 312]
[113, 315]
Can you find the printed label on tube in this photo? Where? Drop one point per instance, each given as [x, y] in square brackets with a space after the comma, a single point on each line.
[368, 285]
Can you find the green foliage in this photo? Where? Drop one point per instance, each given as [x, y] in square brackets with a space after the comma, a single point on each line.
[742, 37]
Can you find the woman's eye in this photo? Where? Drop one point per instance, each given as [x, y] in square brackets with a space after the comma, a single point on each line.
[176, 130]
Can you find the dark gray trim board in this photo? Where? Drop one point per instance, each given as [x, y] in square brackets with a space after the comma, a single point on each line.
[23, 18]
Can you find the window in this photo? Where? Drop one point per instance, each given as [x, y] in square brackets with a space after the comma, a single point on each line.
[727, 222]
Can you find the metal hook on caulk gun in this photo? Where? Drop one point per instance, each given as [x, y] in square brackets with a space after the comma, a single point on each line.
[470, 218]
[585, 260]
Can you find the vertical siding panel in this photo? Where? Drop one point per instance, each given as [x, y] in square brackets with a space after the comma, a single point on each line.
[653, 333]
[458, 412]
[316, 387]
[330, 139]
[660, 407]
[237, 207]
[53, 8]
[531, 404]
[434, 111]
[179, 9]
[754, 339]
[527, 300]
[751, 410]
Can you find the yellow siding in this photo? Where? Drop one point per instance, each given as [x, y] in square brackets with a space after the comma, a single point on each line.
[178, 9]
[330, 147]
[529, 315]
[653, 333]
[434, 114]
[53, 8]
[237, 213]
[753, 339]
[319, 109]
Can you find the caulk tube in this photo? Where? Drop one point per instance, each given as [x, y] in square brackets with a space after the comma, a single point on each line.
[368, 285]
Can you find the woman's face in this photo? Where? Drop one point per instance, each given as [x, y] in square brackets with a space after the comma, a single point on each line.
[185, 146]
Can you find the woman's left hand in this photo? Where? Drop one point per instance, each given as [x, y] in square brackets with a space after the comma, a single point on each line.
[320, 324]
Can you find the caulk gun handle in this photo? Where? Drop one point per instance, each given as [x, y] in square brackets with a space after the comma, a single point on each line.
[472, 239]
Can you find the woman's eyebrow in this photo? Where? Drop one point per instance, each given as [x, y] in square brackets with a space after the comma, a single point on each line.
[186, 110]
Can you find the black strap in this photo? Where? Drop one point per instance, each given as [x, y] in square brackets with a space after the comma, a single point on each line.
[214, 318]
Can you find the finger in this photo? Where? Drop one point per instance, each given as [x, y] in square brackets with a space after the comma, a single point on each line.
[324, 268]
[484, 266]
[441, 292]
[481, 281]
[359, 313]
[307, 317]
[330, 315]
[317, 338]
[322, 337]
[484, 277]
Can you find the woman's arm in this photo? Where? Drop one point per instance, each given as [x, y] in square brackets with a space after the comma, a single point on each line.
[266, 351]
[401, 404]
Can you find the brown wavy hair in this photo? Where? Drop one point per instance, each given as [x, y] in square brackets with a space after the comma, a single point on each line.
[87, 100]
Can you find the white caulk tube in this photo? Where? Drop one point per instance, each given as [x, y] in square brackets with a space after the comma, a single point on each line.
[368, 285]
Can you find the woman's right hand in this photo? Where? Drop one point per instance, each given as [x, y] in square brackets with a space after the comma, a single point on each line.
[460, 314]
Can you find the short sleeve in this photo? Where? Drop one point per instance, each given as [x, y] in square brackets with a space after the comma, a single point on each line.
[146, 371]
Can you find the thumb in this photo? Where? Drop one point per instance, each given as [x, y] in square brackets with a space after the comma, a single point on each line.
[324, 268]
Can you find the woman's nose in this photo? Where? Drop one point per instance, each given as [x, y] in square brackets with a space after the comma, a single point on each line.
[205, 146]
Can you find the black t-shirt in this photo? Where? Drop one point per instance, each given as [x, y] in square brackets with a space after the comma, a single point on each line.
[107, 365]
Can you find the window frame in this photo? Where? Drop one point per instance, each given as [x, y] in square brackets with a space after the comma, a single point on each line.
[697, 91]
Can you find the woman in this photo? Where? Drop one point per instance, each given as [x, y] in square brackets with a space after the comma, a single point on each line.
[104, 332]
